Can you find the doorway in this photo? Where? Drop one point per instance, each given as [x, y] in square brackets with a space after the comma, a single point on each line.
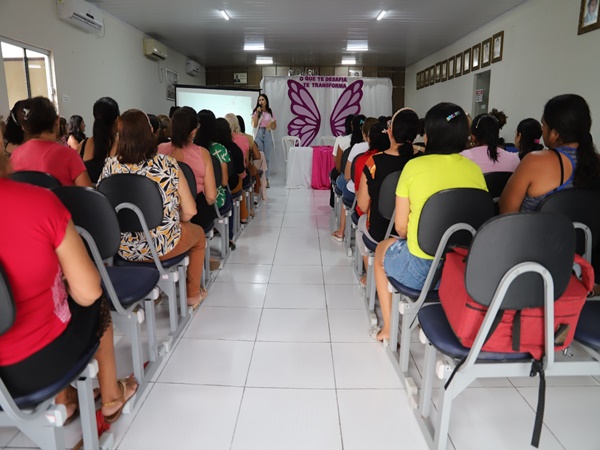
[481, 93]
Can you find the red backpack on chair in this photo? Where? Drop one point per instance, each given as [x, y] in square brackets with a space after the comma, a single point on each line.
[520, 331]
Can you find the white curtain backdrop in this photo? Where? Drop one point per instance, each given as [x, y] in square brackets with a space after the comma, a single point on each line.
[326, 93]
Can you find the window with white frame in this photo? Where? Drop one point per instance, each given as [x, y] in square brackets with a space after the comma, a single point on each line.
[28, 71]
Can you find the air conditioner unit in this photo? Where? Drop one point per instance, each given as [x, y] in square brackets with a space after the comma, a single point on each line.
[82, 14]
[154, 49]
[192, 68]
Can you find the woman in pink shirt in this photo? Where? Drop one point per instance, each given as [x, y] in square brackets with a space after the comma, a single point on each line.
[264, 120]
[485, 131]
[184, 126]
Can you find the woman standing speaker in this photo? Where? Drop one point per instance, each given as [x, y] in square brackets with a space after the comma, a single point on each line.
[263, 119]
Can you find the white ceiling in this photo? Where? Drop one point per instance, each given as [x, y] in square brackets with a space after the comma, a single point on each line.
[307, 32]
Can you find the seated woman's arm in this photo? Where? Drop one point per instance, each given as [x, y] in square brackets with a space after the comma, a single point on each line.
[362, 196]
[188, 204]
[225, 174]
[83, 280]
[210, 187]
[401, 216]
[348, 170]
[516, 188]
[338, 159]
[255, 151]
[83, 179]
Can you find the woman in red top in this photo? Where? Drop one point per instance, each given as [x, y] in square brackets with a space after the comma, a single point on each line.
[60, 310]
[41, 152]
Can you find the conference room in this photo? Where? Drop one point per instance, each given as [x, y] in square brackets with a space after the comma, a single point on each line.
[284, 352]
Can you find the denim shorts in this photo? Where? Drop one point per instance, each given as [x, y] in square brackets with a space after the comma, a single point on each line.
[403, 266]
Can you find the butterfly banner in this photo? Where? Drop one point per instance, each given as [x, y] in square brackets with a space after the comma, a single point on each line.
[314, 106]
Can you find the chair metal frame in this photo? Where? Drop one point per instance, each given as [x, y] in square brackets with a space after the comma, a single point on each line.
[408, 307]
[42, 421]
[172, 279]
[476, 365]
[327, 140]
[127, 318]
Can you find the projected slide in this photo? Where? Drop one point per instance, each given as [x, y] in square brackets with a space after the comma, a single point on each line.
[220, 101]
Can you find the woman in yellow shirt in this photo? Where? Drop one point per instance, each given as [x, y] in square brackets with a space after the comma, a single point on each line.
[440, 168]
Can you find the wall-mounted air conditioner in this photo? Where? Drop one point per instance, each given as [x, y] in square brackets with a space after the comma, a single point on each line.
[192, 68]
[154, 49]
[81, 14]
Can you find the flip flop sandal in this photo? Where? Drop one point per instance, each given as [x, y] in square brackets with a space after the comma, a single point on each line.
[123, 385]
[336, 238]
[374, 331]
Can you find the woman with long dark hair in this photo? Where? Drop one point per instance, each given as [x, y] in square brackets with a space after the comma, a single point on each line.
[527, 137]
[103, 143]
[486, 151]
[264, 120]
[76, 131]
[569, 161]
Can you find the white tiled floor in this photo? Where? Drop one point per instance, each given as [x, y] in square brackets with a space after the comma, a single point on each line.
[278, 358]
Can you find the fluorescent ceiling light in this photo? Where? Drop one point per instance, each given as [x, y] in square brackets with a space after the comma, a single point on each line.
[381, 15]
[224, 14]
[264, 60]
[348, 61]
[256, 46]
[357, 46]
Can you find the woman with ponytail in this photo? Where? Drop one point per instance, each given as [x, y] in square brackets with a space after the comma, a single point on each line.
[440, 168]
[399, 135]
[103, 143]
[527, 137]
[569, 161]
[486, 153]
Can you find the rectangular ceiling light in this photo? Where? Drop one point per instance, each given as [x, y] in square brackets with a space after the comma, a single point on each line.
[254, 46]
[357, 46]
[224, 14]
[348, 60]
[381, 15]
[264, 60]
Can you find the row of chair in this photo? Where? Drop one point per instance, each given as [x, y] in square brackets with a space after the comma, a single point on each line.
[452, 218]
[122, 203]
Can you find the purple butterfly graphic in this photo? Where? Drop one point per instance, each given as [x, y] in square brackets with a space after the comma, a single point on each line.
[307, 122]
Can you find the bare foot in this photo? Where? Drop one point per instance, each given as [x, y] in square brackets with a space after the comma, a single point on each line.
[383, 335]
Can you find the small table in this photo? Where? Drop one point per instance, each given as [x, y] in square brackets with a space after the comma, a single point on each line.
[322, 164]
[309, 167]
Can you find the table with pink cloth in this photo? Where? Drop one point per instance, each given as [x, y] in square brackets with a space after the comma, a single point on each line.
[322, 164]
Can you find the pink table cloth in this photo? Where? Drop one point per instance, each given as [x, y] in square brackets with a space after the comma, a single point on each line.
[322, 164]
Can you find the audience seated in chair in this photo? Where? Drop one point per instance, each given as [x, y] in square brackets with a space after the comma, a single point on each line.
[181, 147]
[486, 152]
[570, 159]
[56, 322]
[136, 154]
[103, 143]
[400, 134]
[446, 130]
[41, 152]
[527, 137]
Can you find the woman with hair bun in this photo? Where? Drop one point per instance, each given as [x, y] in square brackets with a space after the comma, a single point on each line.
[486, 152]
[569, 161]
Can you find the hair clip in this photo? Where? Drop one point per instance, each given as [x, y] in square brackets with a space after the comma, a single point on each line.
[452, 116]
[13, 117]
[384, 131]
[26, 112]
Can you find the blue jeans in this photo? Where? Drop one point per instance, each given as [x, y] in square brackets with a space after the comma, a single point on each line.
[264, 140]
[404, 267]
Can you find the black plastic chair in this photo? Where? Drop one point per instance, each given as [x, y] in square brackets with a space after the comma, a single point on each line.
[126, 287]
[581, 207]
[387, 207]
[449, 218]
[139, 207]
[223, 215]
[496, 181]
[208, 229]
[516, 261]
[41, 179]
[35, 414]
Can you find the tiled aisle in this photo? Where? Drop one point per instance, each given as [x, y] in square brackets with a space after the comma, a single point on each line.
[278, 358]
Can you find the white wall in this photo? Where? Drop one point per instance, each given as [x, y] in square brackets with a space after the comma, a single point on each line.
[88, 67]
[543, 57]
